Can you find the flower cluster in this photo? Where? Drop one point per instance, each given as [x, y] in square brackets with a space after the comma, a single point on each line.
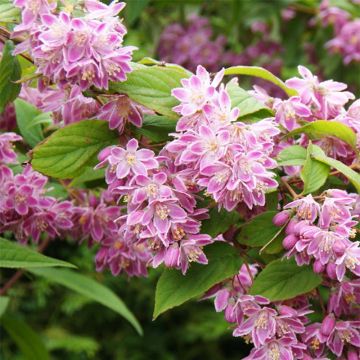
[323, 232]
[274, 329]
[316, 100]
[161, 223]
[84, 50]
[192, 44]
[229, 160]
[346, 31]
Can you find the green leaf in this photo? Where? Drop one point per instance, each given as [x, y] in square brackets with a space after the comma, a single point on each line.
[292, 156]
[28, 340]
[43, 118]
[284, 279]
[90, 288]
[173, 288]
[260, 73]
[354, 177]
[4, 302]
[323, 128]
[8, 12]
[13, 255]
[133, 10]
[260, 231]
[151, 86]
[69, 151]
[89, 174]
[314, 173]
[219, 221]
[246, 103]
[10, 71]
[25, 115]
[156, 128]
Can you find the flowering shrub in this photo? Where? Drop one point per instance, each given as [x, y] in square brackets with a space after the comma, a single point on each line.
[243, 197]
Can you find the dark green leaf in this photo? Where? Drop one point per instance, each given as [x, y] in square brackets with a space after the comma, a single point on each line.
[13, 255]
[28, 340]
[323, 128]
[261, 231]
[283, 279]
[89, 174]
[133, 10]
[291, 156]
[173, 288]
[314, 173]
[4, 302]
[10, 71]
[91, 289]
[69, 151]
[25, 115]
[219, 221]
[151, 86]
[156, 128]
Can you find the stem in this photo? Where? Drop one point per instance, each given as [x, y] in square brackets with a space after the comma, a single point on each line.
[290, 189]
[13, 280]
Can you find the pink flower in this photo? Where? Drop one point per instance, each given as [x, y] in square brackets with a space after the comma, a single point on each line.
[349, 260]
[261, 325]
[196, 91]
[123, 162]
[344, 332]
[7, 154]
[119, 112]
[306, 208]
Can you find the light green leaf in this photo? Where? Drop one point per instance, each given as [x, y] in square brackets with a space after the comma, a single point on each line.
[90, 288]
[283, 279]
[43, 118]
[69, 151]
[151, 86]
[260, 231]
[354, 177]
[27, 339]
[314, 173]
[323, 128]
[25, 115]
[294, 155]
[8, 12]
[4, 302]
[241, 99]
[13, 255]
[10, 71]
[156, 128]
[173, 288]
[262, 73]
[219, 221]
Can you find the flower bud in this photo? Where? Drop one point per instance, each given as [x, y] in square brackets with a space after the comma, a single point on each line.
[328, 325]
[331, 271]
[318, 267]
[339, 248]
[281, 218]
[290, 227]
[289, 241]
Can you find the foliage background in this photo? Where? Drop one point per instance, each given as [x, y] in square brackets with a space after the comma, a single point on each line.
[75, 328]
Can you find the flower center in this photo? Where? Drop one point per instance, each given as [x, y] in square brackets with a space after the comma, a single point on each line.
[262, 321]
[274, 352]
[131, 159]
[162, 211]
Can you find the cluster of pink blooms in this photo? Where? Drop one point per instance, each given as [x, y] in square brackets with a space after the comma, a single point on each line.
[83, 50]
[315, 101]
[229, 160]
[322, 233]
[161, 223]
[282, 330]
[346, 31]
[192, 44]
